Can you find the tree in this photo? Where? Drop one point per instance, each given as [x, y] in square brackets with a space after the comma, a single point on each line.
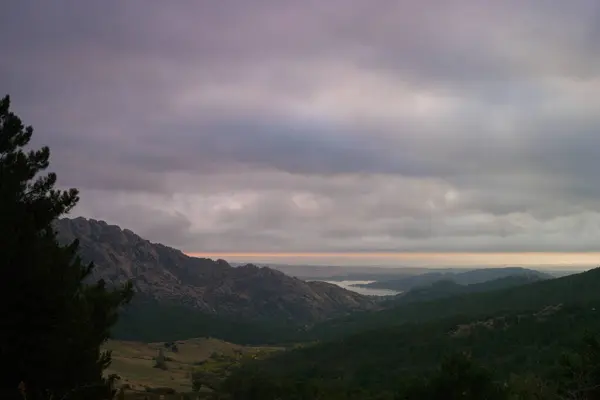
[457, 378]
[529, 386]
[579, 377]
[52, 321]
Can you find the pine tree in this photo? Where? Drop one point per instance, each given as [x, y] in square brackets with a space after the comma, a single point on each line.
[458, 377]
[52, 322]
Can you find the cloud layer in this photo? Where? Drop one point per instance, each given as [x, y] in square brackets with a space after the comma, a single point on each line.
[319, 126]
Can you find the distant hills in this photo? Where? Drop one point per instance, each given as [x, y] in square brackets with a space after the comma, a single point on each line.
[337, 273]
[448, 288]
[462, 278]
[165, 277]
[400, 272]
[571, 289]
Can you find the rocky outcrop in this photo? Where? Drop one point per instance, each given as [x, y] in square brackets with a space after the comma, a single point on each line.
[215, 287]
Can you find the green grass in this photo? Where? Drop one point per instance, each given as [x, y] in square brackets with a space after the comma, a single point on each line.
[134, 361]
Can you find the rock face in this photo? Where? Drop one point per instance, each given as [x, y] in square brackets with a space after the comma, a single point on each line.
[215, 287]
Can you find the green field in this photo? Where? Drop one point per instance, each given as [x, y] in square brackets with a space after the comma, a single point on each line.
[134, 363]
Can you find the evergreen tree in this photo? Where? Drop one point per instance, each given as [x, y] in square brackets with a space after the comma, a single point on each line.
[53, 322]
[457, 378]
[579, 377]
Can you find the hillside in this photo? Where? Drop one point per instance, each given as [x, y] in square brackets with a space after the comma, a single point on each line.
[340, 273]
[462, 278]
[520, 330]
[449, 288]
[150, 320]
[570, 289]
[165, 276]
[373, 365]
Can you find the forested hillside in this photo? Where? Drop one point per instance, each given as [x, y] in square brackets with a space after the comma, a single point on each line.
[449, 288]
[471, 277]
[572, 289]
[515, 334]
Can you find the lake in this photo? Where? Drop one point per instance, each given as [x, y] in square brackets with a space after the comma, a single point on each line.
[350, 285]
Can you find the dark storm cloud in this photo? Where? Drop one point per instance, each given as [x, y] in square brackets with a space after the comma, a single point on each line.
[339, 125]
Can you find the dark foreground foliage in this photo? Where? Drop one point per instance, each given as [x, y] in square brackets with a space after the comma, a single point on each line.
[149, 320]
[523, 351]
[52, 323]
[573, 375]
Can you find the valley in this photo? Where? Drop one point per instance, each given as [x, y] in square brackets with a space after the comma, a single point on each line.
[235, 326]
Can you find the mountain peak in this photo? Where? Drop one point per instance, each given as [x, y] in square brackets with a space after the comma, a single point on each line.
[168, 275]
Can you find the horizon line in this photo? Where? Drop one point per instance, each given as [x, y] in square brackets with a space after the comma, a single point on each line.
[388, 253]
[567, 259]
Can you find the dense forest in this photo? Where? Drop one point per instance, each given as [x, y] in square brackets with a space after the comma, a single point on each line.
[148, 320]
[573, 289]
[521, 345]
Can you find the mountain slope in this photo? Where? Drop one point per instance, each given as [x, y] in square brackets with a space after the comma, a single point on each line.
[567, 290]
[462, 278]
[168, 276]
[373, 364]
[449, 288]
[521, 330]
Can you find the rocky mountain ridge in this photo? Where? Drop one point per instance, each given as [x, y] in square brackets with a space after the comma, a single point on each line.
[215, 287]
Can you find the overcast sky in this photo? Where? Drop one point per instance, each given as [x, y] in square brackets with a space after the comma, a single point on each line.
[310, 126]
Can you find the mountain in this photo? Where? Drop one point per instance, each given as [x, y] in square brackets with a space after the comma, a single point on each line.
[167, 277]
[462, 278]
[340, 273]
[449, 288]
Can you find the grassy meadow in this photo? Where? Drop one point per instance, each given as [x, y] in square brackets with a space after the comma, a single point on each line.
[134, 363]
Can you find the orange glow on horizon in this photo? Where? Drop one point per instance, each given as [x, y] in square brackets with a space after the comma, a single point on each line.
[381, 254]
[526, 258]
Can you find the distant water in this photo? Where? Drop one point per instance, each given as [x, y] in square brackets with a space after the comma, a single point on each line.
[350, 285]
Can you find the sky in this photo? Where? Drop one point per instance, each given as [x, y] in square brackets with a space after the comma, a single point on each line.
[339, 126]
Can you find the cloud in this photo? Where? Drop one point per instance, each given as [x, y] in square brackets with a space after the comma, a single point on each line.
[337, 126]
